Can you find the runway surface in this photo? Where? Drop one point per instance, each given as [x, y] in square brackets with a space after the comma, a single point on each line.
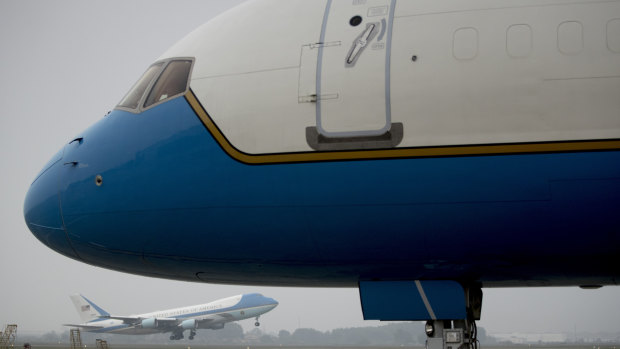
[186, 345]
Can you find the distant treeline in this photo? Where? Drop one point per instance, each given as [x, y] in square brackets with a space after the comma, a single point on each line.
[392, 334]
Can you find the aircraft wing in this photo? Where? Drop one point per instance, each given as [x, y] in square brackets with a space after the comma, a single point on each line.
[86, 327]
[212, 320]
[136, 320]
[167, 321]
[215, 320]
[130, 320]
[217, 317]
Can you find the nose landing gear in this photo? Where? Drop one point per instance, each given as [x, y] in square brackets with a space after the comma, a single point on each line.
[257, 323]
[451, 308]
[457, 334]
[461, 334]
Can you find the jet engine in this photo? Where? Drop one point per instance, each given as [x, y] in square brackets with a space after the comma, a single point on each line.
[217, 326]
[189, 324]
[149, 323]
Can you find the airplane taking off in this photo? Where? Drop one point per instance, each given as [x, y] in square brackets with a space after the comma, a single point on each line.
[213, 315]
[417, 150]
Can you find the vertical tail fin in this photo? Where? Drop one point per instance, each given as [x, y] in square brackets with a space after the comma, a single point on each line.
[87, 310]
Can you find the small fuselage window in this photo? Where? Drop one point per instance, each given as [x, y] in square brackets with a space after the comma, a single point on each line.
[161, 81]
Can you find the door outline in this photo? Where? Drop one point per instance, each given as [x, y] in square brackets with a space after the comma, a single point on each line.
[342, 135]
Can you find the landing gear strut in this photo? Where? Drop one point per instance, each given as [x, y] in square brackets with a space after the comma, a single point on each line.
[257, 323]
[192, 333]
[457, 334]
[450, 308]
[176, 336]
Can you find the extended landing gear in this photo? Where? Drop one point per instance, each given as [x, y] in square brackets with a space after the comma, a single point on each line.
[450, 308]
[457, 334]
[176, 336]
[179, 335]
[257, 323]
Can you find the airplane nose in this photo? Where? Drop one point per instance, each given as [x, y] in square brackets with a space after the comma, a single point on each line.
[42, 209]
[273, 302]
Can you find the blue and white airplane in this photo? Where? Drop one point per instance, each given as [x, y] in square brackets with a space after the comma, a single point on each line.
[213, 315]
[417, 150]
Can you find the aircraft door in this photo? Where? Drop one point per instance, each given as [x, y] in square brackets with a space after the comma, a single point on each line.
[353, 76]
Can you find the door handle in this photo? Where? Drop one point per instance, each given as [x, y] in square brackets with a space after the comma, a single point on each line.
[361, 42]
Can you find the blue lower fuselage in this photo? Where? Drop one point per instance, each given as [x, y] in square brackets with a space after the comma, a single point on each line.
[172, 203]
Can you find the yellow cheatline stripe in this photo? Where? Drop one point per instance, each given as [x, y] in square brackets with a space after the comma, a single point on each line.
[440, 151]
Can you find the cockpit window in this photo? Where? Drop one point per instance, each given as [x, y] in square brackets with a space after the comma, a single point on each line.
[162, 81]
[133, 97]
[171, 82]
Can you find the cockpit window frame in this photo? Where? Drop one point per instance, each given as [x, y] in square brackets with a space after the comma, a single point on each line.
[164, 64]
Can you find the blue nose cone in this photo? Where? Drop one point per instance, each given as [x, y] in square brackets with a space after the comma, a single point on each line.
[42, 209]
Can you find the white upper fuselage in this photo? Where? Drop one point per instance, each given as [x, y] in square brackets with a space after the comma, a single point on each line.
[439, 73]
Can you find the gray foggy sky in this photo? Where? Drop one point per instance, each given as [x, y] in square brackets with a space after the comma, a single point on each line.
[63, 65]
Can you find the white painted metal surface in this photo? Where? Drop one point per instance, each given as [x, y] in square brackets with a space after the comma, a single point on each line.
[462, 72]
